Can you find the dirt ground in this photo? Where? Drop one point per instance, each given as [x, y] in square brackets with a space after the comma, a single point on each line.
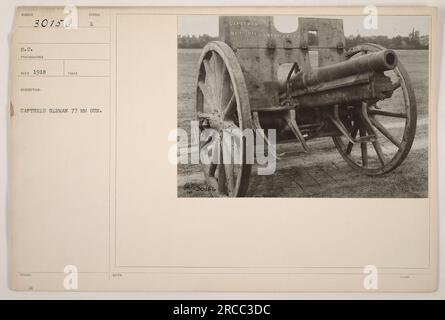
[322, 172]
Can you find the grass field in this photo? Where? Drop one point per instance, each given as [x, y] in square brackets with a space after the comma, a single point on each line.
[322, 173]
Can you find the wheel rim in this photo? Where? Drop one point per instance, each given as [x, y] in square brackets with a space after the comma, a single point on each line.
[222, 92]
[393, 122]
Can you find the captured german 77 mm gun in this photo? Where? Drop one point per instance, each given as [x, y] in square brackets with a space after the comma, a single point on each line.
[361, 97]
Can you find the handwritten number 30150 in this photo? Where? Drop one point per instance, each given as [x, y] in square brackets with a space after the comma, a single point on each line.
[44, 23]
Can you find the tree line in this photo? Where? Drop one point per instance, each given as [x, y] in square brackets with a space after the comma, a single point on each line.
[193, 42]
[413, 41]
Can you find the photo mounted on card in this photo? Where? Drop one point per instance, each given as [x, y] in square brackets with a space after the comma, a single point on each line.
[223, 149]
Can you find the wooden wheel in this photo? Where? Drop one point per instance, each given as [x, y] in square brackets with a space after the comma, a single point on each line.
[392, 123]
[223, 111]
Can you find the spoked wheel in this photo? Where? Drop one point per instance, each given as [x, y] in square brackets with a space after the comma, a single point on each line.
[384, 130]
[223, 111]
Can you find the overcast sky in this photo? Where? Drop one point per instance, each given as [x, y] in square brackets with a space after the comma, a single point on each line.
[387, 25]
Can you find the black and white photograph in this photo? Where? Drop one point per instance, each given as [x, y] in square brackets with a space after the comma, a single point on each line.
[223, 152]
[288, 106]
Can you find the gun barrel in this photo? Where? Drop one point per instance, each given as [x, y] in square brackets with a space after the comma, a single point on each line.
[373, 62]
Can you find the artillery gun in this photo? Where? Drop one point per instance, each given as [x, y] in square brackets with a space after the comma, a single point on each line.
[361, 97]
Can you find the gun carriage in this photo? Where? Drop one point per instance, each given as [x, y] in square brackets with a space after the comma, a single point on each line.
[361, 97]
